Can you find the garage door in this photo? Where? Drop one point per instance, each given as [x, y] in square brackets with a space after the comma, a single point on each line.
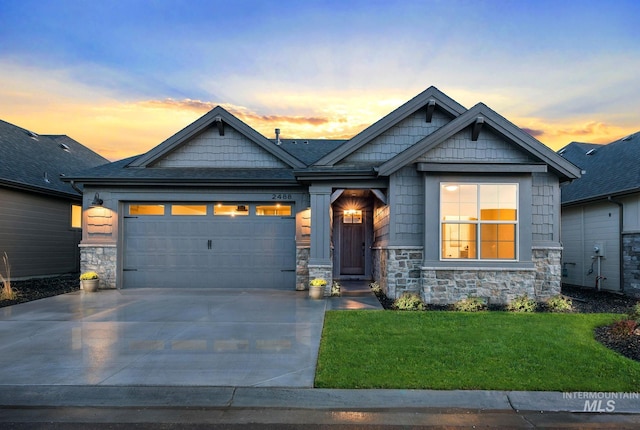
[228, 245]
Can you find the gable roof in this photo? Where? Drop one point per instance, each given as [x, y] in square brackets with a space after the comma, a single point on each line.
[498, 124]
[206, 121]
[442, 102]
[609, 170]
[35, 162]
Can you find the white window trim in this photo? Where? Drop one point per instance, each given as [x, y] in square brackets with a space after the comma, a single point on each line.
[478, 223]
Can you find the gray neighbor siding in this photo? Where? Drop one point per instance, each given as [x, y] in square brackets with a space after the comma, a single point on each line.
[37, 235]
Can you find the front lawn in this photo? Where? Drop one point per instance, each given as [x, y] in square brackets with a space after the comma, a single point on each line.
[485, 350]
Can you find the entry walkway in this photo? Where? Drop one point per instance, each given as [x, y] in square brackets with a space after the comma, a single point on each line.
[163, 337]
[354, 295]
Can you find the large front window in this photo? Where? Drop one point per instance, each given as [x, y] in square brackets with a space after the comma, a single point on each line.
[479, 221]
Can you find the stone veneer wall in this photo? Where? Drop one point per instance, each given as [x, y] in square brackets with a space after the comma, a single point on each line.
[397, 269]
[322, 271]
[499, 286]
[302, 268]
[631, 264]
[101, 259]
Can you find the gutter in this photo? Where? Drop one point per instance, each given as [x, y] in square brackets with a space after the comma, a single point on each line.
[620, 243]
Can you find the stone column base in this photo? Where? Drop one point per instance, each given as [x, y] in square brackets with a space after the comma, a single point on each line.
[101, 259]
[322, 271]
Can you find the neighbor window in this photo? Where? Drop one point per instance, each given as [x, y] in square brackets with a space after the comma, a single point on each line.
[273, 210]
[188, 209]
[146, 209]
[231, 210]
[479, 221]
[76, 216]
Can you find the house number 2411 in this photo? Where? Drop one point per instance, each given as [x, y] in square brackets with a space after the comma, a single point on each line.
[280, 196]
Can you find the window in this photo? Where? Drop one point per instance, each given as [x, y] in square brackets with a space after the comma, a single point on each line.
[231, 210]
[479, 221]
[146, 209]
[188, 210]
[76, 216]
[273, 210]
[352, 216]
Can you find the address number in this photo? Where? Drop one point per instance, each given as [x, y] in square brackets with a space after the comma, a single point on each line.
[280, 196]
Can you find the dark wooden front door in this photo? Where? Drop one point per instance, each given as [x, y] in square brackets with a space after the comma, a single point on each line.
[352, 249]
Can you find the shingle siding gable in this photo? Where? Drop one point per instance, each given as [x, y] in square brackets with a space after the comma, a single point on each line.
[398, 138]
[488, 147]
[209, 149]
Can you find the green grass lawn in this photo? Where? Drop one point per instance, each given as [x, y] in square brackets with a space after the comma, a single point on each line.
[485, 350]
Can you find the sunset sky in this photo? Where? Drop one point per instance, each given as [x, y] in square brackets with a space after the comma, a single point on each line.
[122, 76]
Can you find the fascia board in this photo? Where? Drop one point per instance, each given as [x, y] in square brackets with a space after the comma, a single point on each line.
[443, 102]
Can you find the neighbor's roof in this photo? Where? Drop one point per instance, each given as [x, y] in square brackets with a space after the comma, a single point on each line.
[608, 170]
[35, 162]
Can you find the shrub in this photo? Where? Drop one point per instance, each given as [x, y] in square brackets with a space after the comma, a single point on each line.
[7, 292]
[86, 276]
[409, 302]
[522, 304]
[375, 287]
[335, 289]
[470, 304]
[634, 313]
[559, 303]
[623, 328]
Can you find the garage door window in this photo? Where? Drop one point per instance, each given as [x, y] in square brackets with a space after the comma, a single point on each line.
[146, 209]
[192, 210]
[231, 210]
[273, 210]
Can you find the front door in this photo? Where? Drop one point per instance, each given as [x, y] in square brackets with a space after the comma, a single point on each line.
[352, 244]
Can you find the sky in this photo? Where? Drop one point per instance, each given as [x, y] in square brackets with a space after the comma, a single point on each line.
[122, 76]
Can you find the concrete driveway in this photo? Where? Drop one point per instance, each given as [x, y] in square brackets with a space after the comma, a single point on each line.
[161, 337]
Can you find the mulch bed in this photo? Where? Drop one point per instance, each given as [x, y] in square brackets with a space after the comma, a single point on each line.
[39, 288]
[584, 300]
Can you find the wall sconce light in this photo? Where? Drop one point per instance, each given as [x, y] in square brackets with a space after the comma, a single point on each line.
[97, 201]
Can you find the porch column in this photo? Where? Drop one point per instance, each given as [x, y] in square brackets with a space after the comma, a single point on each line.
[320, 264]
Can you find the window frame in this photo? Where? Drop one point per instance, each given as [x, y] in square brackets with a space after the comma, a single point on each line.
[478, 222]
[71, 215]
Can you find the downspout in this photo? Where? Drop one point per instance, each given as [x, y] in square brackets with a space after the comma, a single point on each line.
[621, 245]
[75, 187]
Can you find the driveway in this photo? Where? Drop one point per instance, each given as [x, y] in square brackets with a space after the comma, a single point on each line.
[159, 337]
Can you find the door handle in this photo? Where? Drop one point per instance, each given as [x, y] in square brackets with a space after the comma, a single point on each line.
[209, 243]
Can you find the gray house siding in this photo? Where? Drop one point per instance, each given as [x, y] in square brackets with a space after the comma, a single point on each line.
[488, 148]
[406, 197]
[545, 218]
[36, 234]
[583, 227]
[209, 149]
[398, 138]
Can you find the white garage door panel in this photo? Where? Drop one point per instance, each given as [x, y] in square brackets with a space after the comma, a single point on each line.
[244, 252]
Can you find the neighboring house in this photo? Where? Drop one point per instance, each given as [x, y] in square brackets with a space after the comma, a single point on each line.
[40, 216]
[433, 199]
[602, 209]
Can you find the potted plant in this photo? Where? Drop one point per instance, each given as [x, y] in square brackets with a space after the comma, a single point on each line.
[89, 282]
[316, 288]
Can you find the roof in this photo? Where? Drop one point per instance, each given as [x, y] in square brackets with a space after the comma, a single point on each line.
[309, 150]
[36, 162]
[608, 170]
[499, 125]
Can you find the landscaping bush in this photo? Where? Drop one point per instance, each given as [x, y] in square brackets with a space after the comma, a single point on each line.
[634, 313]
[470, 304]
[522, 304]
[623, 328]
[375, 287]
[409, 302]
[560, 303]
